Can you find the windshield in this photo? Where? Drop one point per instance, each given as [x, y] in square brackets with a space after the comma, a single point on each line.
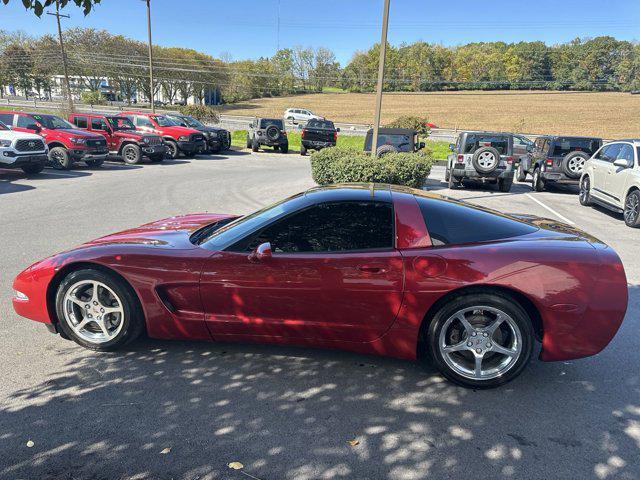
[165, 121]
[3, 126]
[52, 122]
[322, 124]
[121, 123]
[192, 122]
[234, 231]
[266, 122]
[563, 146]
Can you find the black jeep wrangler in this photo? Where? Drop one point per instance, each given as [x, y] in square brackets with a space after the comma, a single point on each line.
[393, 140]
[482, 156]
[556, 160]
[217, 139]
[269, 132]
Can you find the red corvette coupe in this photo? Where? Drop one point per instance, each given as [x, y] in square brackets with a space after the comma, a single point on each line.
[369, 268]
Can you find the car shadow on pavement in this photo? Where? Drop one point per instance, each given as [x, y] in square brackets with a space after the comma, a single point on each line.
[185, 410]
[7, 177]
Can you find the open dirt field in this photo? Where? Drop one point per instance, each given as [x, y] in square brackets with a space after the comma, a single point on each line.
[609, 115]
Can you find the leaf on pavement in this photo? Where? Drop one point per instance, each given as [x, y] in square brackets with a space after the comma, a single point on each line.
[165, 451]
[235, 465]
[354, 442]
[30, 443]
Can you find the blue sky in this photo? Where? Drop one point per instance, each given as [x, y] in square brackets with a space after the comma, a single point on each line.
[248, 28]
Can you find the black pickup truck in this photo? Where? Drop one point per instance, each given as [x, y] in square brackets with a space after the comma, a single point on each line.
[318, 134]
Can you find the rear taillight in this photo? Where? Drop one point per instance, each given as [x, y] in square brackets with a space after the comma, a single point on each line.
[509, 160]
[549, 162]
[335, 136]
[460, 158]
[302, 134]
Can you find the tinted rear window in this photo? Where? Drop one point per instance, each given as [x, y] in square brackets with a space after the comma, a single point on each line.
[563, 146]
[6, 118]
[499, 142]
[451, 223]
[266, 122]
[323, 124]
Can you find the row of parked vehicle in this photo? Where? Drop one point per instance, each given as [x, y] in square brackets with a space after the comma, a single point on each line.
[32, 140]
[607, 174]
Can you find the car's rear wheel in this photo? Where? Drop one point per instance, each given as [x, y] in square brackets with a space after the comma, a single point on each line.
[481, 340]
[585, 191]
[284, 148]
[131, 154]
[632, 209]
[254, 145]
[504, 184]
[538, 183]
[303, 150]
[98, 310]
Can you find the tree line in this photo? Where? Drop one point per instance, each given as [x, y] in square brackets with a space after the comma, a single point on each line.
[29, 64]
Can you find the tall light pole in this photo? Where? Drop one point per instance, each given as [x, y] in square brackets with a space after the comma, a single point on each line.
[153, 105]
[383, 52]
[67, 85]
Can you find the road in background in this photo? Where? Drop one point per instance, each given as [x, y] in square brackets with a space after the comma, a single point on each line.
[284, 412]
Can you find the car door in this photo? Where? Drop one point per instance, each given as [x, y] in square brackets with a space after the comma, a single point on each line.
[618, 178]
[99, 125]
[602, 164]
[333, 275]
[144, 123]
[520, 145]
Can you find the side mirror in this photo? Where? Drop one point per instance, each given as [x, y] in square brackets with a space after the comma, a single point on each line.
[452, 147]
[621, 162]
[338, 129]
[261, 253]
[34, 127]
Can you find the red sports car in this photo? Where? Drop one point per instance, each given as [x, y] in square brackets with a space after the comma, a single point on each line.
[369, 268]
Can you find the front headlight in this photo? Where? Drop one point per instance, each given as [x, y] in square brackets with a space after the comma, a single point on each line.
[183, 138]
[79, 141]
[20, 296]
[5, 143]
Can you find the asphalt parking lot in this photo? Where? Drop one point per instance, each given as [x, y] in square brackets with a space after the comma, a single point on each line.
[184, 410]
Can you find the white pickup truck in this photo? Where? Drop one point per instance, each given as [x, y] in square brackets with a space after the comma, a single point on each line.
[22, 150]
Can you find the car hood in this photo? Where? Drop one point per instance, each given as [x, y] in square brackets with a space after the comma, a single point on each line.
[172, 232]
[177, 131]
[12, 135]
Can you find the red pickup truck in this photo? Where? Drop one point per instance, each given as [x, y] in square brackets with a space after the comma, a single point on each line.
[66, 143]
[178, 139]
[122, 137]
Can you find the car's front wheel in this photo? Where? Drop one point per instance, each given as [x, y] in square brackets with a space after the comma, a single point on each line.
[60, 159]
[131, 154]
[98, 310]
[585, 191]
[537, 183]
[172, 149]
[632, 209]
[481, 340]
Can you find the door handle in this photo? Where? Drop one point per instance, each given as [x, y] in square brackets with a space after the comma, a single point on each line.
[371, 268]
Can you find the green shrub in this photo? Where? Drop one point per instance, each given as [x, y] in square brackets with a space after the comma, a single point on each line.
[204, 113]
[92, 98]
[343, 165]
[419, 124]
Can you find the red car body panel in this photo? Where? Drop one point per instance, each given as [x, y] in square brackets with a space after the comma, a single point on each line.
[174, 132]
[369, 302]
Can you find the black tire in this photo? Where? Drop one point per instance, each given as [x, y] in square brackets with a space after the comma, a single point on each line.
[95, 163]
[255, 146]
[172, 149]
[632, 209]
[133, 318]
[585, 191]
[303, 150]
[447, 175]
[131, 154]
[384, 149]
[33, 168]
[497, 301]
[573, 164]
[504, 184]
[248, 142]
[521, 174]
[481, 155]
[276, 148]
[284, 148]
[156, 158]
[59, 158]
[538, 183]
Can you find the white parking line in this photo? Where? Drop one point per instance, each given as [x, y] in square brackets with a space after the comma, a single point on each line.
[564, 219]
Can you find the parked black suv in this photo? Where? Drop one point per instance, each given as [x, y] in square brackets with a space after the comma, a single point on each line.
[482, 156]
[269, 132]
[318, 134]
[556, 160]
[393, 140]
[217, 139]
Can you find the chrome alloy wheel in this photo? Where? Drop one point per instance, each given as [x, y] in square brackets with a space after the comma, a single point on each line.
[576, 165]
[480, 343]
[631, 209]
[93, 311]
[486, 160]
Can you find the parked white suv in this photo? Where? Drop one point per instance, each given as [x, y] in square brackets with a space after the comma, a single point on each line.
[300, 114]
[22, 150]
[611, 178]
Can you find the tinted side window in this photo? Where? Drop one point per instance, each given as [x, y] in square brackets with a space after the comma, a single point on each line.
[451, 223]
[626, 153]
[6, 118]
[25, 121]
[610, 152]
[98, 124]
[81, 122]
[329, 227]
[143, 122]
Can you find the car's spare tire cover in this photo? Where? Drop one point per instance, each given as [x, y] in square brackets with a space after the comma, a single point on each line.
[486, 159]
[383, 149]
[273, 132]
[573, 164]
